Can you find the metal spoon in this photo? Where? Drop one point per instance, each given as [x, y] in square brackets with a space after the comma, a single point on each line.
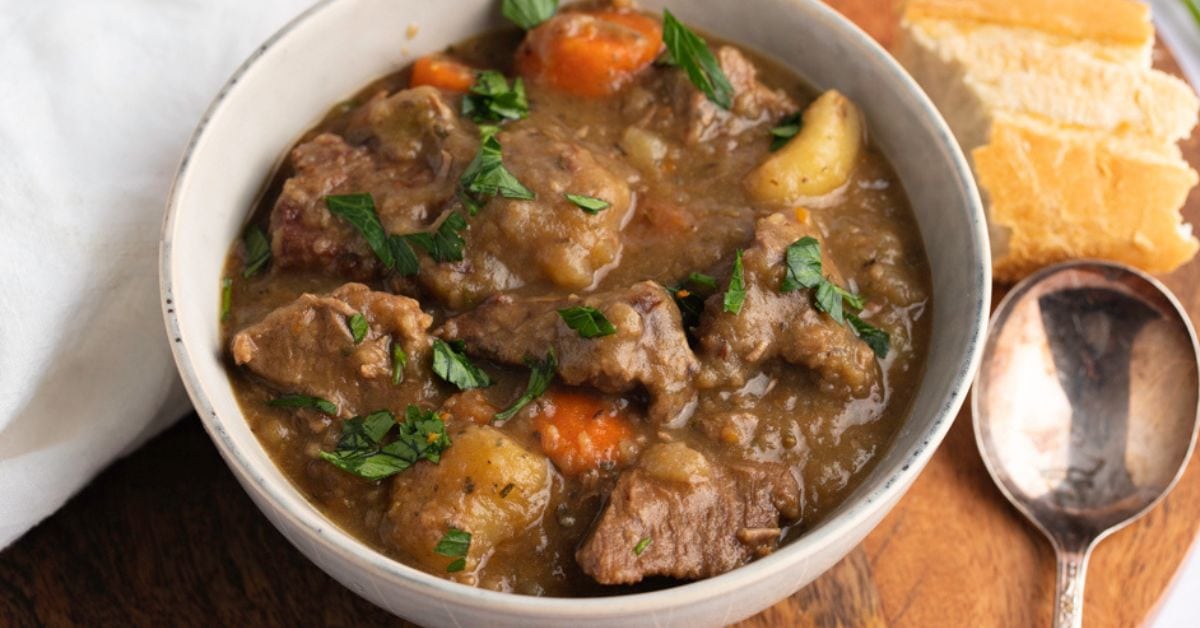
[1086, 406]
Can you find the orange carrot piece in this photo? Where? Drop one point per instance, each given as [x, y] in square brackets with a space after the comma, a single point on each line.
[590, 54]
[443, 73]
[579, 431]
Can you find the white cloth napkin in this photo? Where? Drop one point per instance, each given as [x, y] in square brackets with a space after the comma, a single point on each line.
[97, 101]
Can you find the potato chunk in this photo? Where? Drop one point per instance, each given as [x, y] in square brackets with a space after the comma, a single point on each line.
[818, 160]
[486, 484]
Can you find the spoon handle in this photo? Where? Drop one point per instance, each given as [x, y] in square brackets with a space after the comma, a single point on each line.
[1068, 595]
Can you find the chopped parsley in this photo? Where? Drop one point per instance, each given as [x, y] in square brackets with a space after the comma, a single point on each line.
[804, 270]
[642, 545]
[589, 204]
[588, 321]
[362, 452]
[690, 295]
[788, 127]
[541, 373]
[226, 297]
[492, 99]
[358, 327]
[399, 361]
[486, 175]
[445, 244]
[304, 401]
[359, 211]
[688, 51]
[258, 250]
[528, 13]
[454, 544]
[735, 294]
[454, 367]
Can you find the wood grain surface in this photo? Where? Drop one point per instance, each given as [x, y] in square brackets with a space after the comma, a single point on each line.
[167, 537]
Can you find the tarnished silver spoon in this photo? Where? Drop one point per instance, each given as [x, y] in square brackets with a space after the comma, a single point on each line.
[1085, 406]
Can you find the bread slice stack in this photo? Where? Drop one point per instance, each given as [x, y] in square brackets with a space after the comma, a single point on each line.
[1071, 134]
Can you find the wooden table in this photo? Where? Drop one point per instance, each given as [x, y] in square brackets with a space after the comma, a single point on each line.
[167, 537]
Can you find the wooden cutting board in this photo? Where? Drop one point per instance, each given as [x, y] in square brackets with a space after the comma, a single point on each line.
[954, 553]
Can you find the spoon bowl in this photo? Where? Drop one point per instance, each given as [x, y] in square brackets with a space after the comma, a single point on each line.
[1085, 406]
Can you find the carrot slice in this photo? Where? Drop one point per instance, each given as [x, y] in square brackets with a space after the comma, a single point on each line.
[442, 72]
[579, 431]
[590, 54]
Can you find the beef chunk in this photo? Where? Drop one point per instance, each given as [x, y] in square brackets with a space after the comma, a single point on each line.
[701, 518]
[486, 484]
[406, 150]
[774, 324]
[307, 347]
[753, 102]
[648, 350]
[513, 242]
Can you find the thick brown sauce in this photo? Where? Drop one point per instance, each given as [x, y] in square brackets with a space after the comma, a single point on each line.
[832, 443]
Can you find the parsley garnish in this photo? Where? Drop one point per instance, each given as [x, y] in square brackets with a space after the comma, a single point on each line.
[541, 372]
[399, 361]
[689, 52]
[455, 543]
[226, 297]
[589, 204]
[258, 250]
[735, 294]
[588, 321]
[360, 450]
[486, 175]
[690, 295]
[444, 244]
[454, 367]
[788, 127]
[491, 99]
[359, 211]
[528, 13]
[642, 545]
[804, 270]
[304, 401]
[358, 327]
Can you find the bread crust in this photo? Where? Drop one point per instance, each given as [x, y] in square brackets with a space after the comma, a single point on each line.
[1120, 22]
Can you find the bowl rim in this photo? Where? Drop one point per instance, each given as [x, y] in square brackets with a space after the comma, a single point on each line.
[282, 496]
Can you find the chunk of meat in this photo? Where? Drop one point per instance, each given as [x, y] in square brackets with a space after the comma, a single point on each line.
[775, 324]
[753, 102]
[689, 517]
[512, 242]
[649, 349]
[486, 484]
[406, 150]
[307, 347]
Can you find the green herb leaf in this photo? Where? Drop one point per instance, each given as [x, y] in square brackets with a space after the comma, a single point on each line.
[358, 327]
[690, 295]
[456, 565]
[454, 543]
[528, 13]
[588, 321]
[702, 280]
[454, 367]
[486, 175]
[642, 545]
[589, 204]
[803, 259]
[851, 300]
[1194, 9]
[304, 401]
[735, 294]
[876, 338]
[258, 250]
[787, 129]
[404, 257]
[541, 373]
[226, 297]
[399, 361]
[445, 244]
[421, 436]
[828, 300]
[359, 211]
[492, 99]
[689, 52]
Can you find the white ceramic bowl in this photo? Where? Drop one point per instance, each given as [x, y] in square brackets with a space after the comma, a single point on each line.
[337, 47]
